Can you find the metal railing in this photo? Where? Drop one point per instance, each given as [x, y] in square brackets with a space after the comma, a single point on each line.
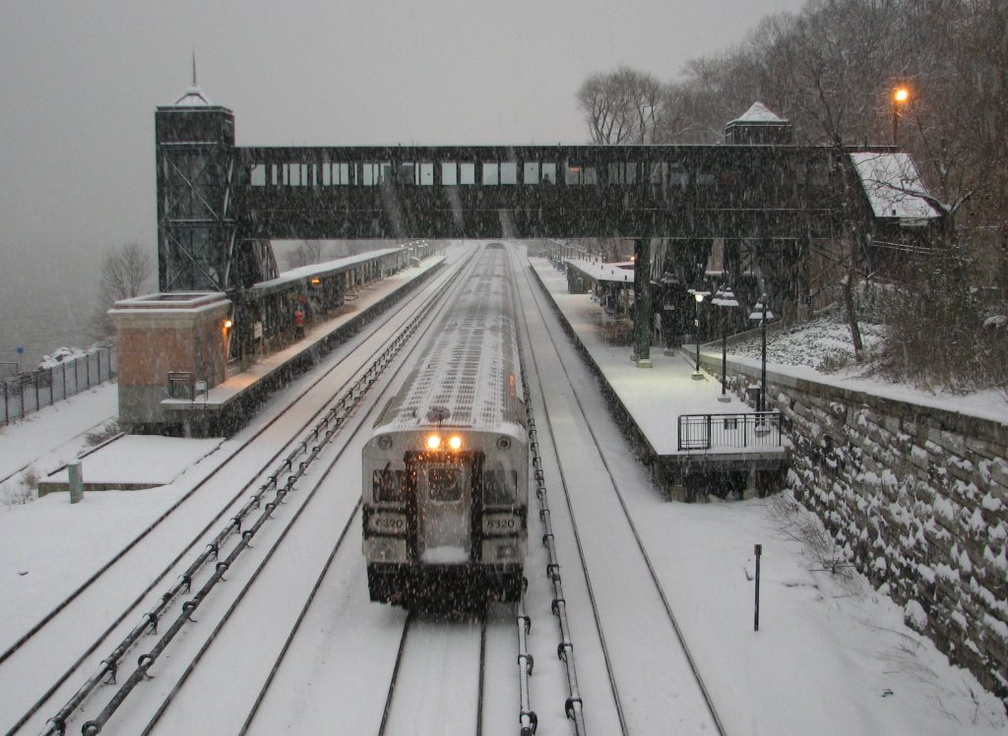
[706, 432]
[30, 391]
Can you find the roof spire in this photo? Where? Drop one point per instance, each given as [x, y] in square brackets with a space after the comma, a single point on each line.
[194, 96]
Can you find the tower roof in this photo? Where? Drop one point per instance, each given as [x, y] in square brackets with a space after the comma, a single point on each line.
[758, 113]
[194, 97]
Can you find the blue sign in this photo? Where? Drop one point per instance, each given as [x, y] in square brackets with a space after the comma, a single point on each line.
[20, 350]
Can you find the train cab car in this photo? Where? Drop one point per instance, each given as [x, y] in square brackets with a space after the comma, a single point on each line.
[445, 472]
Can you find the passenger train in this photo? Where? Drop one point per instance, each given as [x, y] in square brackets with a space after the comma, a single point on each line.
[446, 470]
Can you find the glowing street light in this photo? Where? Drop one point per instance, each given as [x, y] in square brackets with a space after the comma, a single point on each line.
[762, 313]
[724, 297]
[699, 295]
[900, 97]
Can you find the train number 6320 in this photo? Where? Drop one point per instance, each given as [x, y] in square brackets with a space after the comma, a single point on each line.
[388, 523]
[501, 524]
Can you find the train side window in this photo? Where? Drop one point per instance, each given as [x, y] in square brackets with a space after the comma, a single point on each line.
[500, 486]
[426, 174]
[531, 173]
[509, 172]
[549, 173]
[449, 174]
[467, 173]
[491, 174]
[389, 485]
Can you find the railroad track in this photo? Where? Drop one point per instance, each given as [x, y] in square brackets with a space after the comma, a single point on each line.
[51, 676]
[635, 634]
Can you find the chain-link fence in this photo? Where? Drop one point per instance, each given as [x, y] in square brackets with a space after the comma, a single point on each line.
[28, 392]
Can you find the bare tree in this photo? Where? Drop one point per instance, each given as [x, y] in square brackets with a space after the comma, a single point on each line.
[125, 272]
[620, 107]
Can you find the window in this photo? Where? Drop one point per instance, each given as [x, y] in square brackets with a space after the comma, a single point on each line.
[449, 174]
[622, 173]
[372, 174]
[389, 485]
[577, 174]
[491, 174]
[509, 172]
[500, 486]
[445, 483]
[258, 175]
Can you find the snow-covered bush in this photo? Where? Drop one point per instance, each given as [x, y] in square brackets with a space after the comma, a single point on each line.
[935, 337]
[24, 490]
[103, 433]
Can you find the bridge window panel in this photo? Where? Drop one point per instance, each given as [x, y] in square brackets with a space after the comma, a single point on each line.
[467, 173]
[257, 175]
[622, 173]
[580, 175]
[406, 173]
[295, 175]
[373, 174]
[509, 173]
[425, 174]
[491, 174]
[658, 173]
[530, 172]
[449, 173]
[678, 176]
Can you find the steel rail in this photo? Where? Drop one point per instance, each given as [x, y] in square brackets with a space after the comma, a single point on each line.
[331, 423]
[338, 411]
[574, 704]
[705, 693]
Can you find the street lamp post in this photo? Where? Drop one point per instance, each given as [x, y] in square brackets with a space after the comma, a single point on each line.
[762, 312]
[900, 96]
[699, 295]
[724, 297]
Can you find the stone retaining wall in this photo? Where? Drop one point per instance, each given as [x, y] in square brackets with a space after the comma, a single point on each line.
[916, 498]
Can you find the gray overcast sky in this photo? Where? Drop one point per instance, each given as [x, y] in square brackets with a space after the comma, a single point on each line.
[79, 83]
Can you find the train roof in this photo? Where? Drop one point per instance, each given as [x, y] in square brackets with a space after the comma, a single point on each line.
[469, 375]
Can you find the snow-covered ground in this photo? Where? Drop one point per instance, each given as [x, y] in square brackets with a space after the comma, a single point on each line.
[832, 654]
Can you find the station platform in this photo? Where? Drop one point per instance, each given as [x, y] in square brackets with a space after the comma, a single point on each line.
[695, 439]
[221, 409]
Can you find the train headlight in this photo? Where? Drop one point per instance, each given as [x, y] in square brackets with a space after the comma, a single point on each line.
[455, 443]
[385, 442]
[433, 441]
[503, 443]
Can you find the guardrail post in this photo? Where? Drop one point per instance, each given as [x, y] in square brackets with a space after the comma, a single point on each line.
[76, 481]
